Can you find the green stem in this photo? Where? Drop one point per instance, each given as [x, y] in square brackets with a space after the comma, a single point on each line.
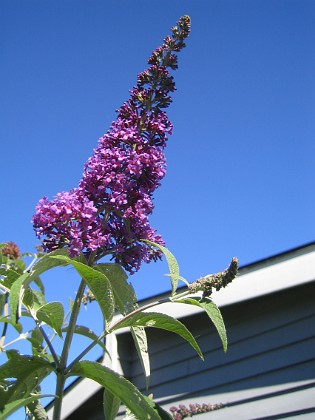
[61, 375]
[114, 327]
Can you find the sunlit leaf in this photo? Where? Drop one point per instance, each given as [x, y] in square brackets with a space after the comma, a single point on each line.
[53, 315]
[9, 276]
[124, 294]
[111, 405]
[158, 320]
[28, 372]
[172, 264]
[99, 285]
[120, 387]
[8, 320]
[140, 339]
[213, 312]
[16, 295]
[11, 407]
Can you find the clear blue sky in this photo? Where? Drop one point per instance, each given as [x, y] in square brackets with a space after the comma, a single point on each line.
[240, 178]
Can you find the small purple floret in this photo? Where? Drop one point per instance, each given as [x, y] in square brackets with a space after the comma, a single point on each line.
[108, 212]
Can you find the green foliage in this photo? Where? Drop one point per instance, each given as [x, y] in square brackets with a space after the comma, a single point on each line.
[99, 285]
[15, 405]
[158, 320]
[117, 385]
[53, 315]
[28, 372]
[21, 376]
[212, 311]
[172, 264]
[111, 405]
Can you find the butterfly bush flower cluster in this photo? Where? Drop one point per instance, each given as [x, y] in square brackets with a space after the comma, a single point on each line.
[107, 214]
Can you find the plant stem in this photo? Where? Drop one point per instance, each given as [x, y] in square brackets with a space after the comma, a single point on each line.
[61, 375]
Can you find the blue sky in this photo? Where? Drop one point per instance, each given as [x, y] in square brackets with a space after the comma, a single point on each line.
[240, 178]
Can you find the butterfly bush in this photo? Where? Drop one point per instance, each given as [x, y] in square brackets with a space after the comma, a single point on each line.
[107, 213]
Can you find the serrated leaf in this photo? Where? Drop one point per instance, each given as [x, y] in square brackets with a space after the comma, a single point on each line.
[118, 386]
[124, 294]
[46, 263]
[164, 415]
[53, 315]
[17, 404]
[162, 321]
[111, 405]
[8, 320]
[18, 288]
[140, 339]
[213, 312]
[16, 295]
[39, 284]
[33, 299]
[10, 276]
[172, 264]
[86, 332]
[28, 372]
[99, 285]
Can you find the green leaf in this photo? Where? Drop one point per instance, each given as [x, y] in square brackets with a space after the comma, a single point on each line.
[111, 405]
[98, 284]
[16, 295]
[126, 301]
[40, 285]
[8, 320]
[86, 332]
[33, 299]
[18, 288]
[29, 371]
[45, 262]
[53, 315]
[164, 415]
[172, 264]
[10, 276]
[158, 320]
[118, 386]
[124, 294]
[10, 408]
[140, 339]
[213, 312]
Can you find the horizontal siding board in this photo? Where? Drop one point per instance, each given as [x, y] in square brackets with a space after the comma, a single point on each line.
[187, 362]
[246, 328]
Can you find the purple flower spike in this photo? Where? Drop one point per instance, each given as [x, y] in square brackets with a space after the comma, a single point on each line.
[108, 212]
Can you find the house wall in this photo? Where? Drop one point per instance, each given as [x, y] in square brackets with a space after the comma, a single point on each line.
[268, 371]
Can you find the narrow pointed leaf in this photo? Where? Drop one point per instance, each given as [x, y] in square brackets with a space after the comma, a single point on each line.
[9, 276]
[17, 404]
[45, 262]
[53, 315]
[111, 405]
[172, 264]
[28, 372]
[16, 295]
[214, 314]
[118, 386]
[19, 286]
[124, 294]
[99, 285]
[162, 321]
[140, 339]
